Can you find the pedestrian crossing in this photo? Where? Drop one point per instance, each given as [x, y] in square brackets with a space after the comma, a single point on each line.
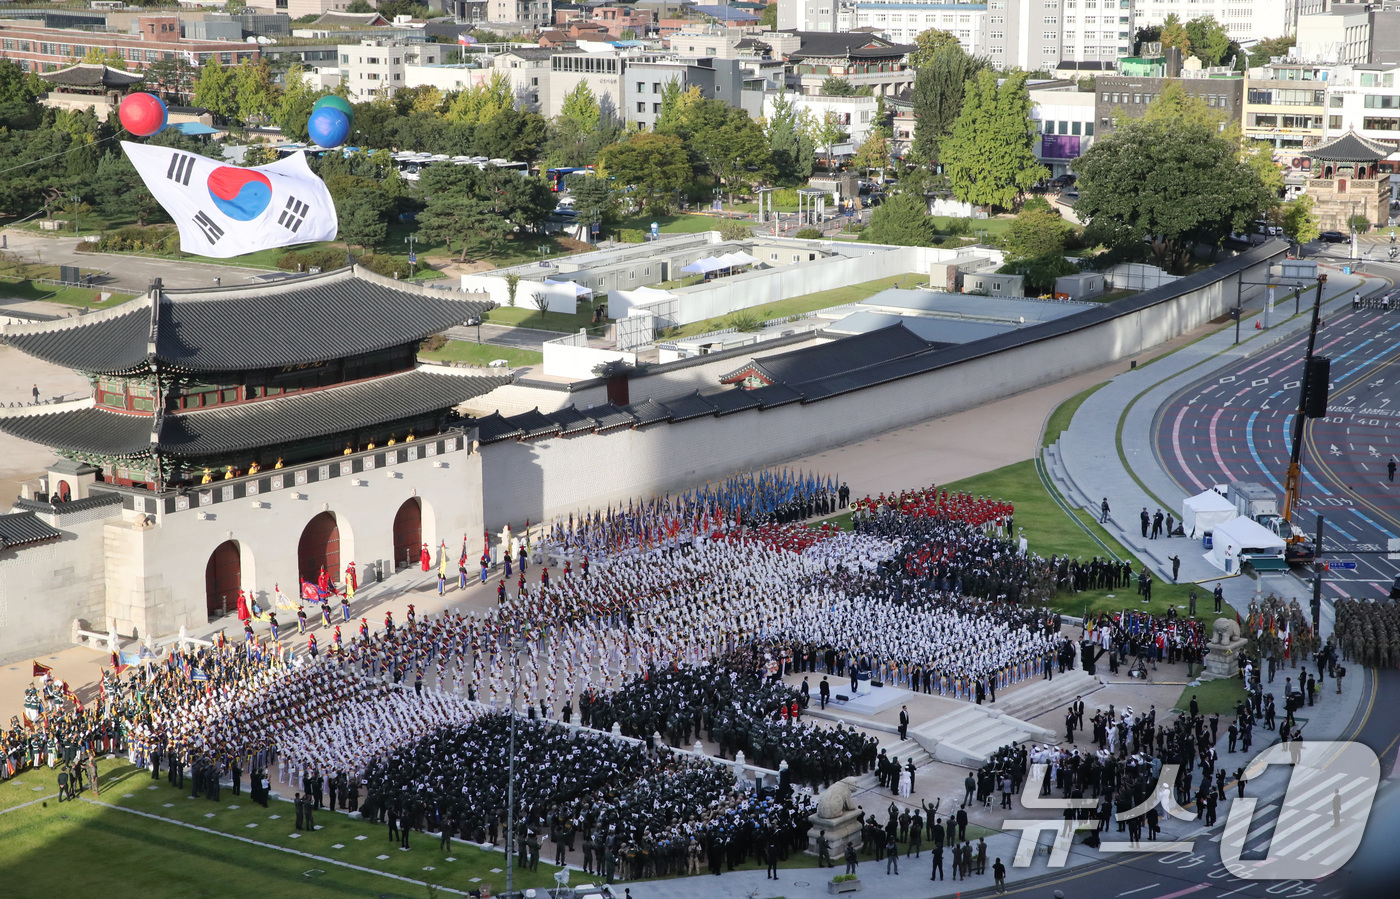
[1310, 830]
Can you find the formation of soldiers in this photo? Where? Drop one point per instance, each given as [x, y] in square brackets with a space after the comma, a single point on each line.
[740, 712]
[1368, 633]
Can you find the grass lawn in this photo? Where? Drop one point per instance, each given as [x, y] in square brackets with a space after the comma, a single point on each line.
[474, 353]
[1049, 531]
[675, 223]
[1059, 419]
[807, 303]
[139, 838]
[90, 297]
[543, 321]
[994, 227]
[73, 847]
[1213, 696]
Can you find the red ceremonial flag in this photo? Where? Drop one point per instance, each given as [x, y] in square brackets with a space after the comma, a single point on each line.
[41, 670]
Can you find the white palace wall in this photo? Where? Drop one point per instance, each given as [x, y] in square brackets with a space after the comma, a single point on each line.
[554, 476]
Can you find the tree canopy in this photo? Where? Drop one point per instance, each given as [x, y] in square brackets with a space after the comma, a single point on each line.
[989, 158]
[902, 221]
[656, 164]
[928, 43]
[793, 152]
[939, 88]
[1172, 185]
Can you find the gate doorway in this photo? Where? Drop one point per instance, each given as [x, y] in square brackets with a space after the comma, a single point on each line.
[223, 576]
[408, 533]
[320, 546]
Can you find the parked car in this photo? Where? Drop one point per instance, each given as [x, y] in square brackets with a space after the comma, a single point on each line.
[1333, 237]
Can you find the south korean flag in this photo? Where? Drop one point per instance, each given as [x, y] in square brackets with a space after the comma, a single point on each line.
[224, 211]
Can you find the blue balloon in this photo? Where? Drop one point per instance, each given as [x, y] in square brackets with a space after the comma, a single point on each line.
[328, 127]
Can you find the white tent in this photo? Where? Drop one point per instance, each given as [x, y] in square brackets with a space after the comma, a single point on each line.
[1202, 512]
[621, 302]
[1241, 536]
[703, 266]
[579, 290]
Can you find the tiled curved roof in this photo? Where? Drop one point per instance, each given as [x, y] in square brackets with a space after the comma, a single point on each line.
[83, 428]
[297, 321]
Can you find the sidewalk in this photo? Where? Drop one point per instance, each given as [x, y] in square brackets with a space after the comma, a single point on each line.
[1086, 464]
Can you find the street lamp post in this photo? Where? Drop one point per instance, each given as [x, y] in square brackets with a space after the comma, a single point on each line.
[75, 200]
[412, 242]
[475, 320]
[516, 644]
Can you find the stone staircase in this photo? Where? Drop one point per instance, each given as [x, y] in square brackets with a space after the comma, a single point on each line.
[904, 750]
[970, 735]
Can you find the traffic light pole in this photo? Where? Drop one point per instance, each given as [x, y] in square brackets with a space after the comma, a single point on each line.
[1317, 579]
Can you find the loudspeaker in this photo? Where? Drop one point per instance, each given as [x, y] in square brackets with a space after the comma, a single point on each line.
[876, 683]
[842, 697]
[1319, 376]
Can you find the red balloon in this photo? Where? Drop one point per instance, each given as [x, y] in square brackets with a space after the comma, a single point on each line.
[142, 114]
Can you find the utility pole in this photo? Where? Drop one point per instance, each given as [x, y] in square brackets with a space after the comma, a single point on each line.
[516, 644]
[1318, 566]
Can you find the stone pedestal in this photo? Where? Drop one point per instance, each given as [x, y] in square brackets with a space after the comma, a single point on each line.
[843, 829]
[1223, 660]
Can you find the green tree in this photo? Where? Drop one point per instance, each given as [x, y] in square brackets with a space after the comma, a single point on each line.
[214, 90]
[594, 201]
[362, 218]
[1173, 34]
[829, 133]
[359, 7]
[901, 221]
[1171, 185]
[1040, 272]
[928, 43]
[513, 135]
[790, 146]
[295, 105]
[673, 98]
[874, 152]
[736, 152]
[768, 19]
[1299, 222]
[120, 193]
[254, 91]
[171, 79]
[480, 208]
[989, 158]
[835, 86]
[580, 108]
[482, 102]
[17, 95]
[1265, 50]
[657, 165]
[938, 94]
[1210, 42]
[1174, 105]
[1036, 231]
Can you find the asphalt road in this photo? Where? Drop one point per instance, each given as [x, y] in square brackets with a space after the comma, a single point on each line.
[127, 273]
[1199, 873]
[1237, 425]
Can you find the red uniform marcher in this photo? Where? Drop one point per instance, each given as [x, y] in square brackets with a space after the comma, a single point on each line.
[351, 576]
[243, 614]
[426, 558]
[323, 581]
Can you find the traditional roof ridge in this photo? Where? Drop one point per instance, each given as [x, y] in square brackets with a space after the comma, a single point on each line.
[71, 322]
[246, 327]
[24, 528]
[1349, 147]
[86, 402]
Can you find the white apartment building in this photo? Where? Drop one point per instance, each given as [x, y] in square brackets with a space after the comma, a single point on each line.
[446, 78]
[528, 71]
[1025, 34]
[1341, 35]
[808, 15]
[1364, 99]
[1096, 29]
[1245, 20]
[376, 68]
[902, 20]
[534, 14]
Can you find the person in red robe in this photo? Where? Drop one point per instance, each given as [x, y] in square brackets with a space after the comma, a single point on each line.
[351, 577]
[243, 614]
[323, 581]
[426, 558]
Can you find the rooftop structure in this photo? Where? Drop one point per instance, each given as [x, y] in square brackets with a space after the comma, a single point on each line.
[243, 378]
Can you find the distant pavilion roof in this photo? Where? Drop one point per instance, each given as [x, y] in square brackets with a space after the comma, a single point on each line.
[1350, 147]
[25, 528]
[296, 321]
[91, 75]
[83, 428]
